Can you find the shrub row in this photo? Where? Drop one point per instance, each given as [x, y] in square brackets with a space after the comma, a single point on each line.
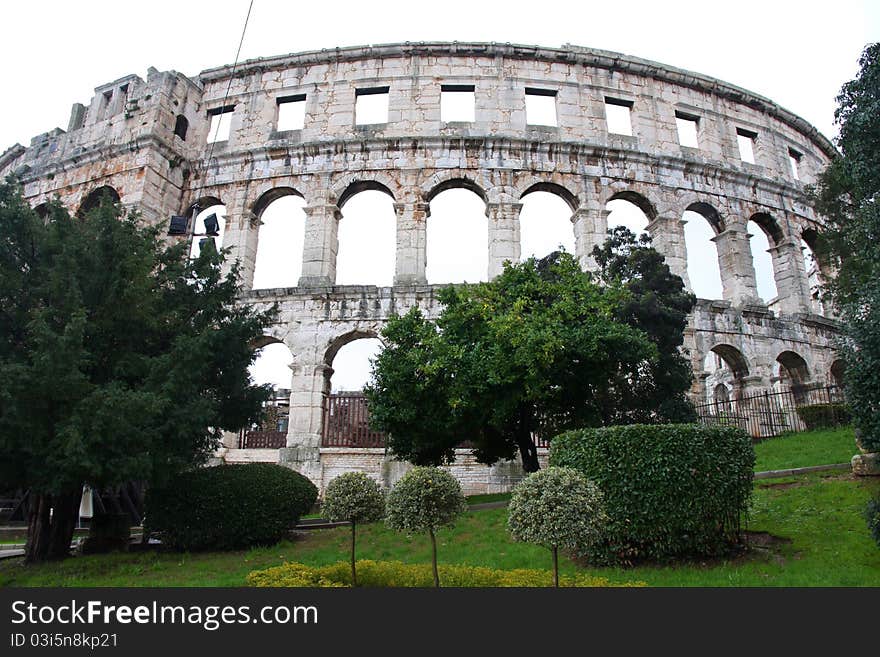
[670, 491]
[228, 507]
[396, 574]
[817, 416]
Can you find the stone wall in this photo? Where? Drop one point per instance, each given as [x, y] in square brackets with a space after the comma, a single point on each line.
[129, 138]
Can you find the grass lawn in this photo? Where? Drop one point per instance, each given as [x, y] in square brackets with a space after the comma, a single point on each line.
[824, 542]
[798, 450]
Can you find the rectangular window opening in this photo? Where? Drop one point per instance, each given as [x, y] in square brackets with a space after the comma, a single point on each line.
[541, 107]
[794, 159]
[457, 103]
[745, 139]
[618, 115]
[221, 121]
[688, 126]
[291, 113]
[371, 106]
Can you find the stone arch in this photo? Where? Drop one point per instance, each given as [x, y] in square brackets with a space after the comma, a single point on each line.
[42, 210]
[181, 126]
[638, 200]
[94, 199]
[770, 227]
[836, 372]
[203, 202]
[765, 238]
[709, 213]
[793, 367]
[338, 346]
[273, 194]
[340, 341]
[734, 359]
[358, 186]
[457, 182]
[553, 188]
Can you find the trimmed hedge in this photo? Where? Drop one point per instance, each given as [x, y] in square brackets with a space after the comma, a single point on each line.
[376, 574]
[817, 416]
[674, 490]
[228, 507]
[872, 515]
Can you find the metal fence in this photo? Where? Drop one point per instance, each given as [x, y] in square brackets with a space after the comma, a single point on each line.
[347, 422]
[768, 414]
[259, 439]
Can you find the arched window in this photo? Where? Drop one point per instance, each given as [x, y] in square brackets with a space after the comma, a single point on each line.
[280, 245]
[367, 237]
[181, 125]
[220, 212]
[352, 365]
[96, 197]
[701, 226]
[544, 225]
[457, 238]
[271, 367]
[626, 211]
[759, 244]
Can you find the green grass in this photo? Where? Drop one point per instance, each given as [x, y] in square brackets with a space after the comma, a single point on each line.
[799, 450]
[820, 516]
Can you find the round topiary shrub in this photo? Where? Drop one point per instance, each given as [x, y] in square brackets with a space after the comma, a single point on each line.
[422, 501]
[355, 498]
[675, 490]
[228, 507]
[557, 508]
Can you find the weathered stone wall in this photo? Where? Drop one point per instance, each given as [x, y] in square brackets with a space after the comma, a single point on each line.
[125, 139]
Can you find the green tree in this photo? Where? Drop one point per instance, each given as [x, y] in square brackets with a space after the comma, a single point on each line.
[424, 500]
[541, 349]
[557, 508]
[847, 196]
[120, 360]
[355, 498]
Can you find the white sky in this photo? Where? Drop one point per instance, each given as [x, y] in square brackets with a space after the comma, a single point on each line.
[54, 53]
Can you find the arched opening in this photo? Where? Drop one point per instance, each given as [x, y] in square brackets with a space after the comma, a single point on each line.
[181, 125]
[837, 372]
[346, 419]
[792, 369]
[42, 211]
[721, 397]
[95, 198]
[724, 366]
[701, 224]
[763, 234]
[200, 239]
[271, 367]
[813, 269]
[278, 261]
[457, 234]
[630, 210]
[367, 236]
[544, 223]
[731, 358]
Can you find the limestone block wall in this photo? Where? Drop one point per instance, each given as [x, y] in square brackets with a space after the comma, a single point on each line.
[129, 138]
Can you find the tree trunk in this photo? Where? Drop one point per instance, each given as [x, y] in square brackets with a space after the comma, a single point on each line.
[555, 567]
[354, 579]
[527, 450]
[434, 558]
[51, 525]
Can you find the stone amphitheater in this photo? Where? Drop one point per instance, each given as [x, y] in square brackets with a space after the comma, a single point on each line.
[146, 143]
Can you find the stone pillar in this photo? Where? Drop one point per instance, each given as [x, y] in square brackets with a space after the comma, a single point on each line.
[590, 229]
[503, 235]
[321, 243]
[307, 387]
[667, 236]
[241, 235]
[737, 270]
[412, 239]
[792, 286]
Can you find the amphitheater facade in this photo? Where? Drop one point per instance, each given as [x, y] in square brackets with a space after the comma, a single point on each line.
[147, 143]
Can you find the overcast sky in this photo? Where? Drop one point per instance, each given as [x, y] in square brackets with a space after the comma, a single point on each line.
[54, 53]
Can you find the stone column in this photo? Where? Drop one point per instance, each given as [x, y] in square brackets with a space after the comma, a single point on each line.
[241, 235]
[412, 239]
[503, 235]
[590, 229]
[667, 236]
[792, 286]
[307, 389]
[321, 243]
[737, 270]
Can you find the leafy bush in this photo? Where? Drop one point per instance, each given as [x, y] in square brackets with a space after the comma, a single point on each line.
[395, 574]
[670, 490]
[423, 500]
[354, 497]
[228, 507]
[557, 508]
[872, 515]
[817, 416]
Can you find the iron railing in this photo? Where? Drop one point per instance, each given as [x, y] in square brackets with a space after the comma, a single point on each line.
[768, 414]
[258, 439]
[347, 422]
